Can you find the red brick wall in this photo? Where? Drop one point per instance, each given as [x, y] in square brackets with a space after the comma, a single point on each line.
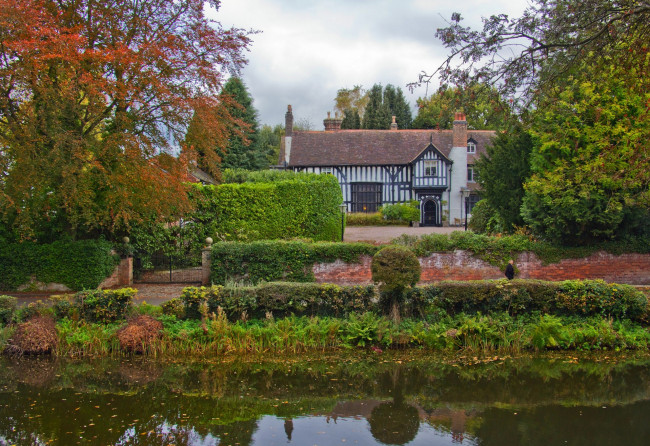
[460, 265]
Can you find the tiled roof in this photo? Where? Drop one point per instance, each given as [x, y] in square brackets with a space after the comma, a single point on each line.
[373, 147]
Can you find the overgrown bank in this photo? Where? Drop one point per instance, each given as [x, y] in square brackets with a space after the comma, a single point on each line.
[479, 317]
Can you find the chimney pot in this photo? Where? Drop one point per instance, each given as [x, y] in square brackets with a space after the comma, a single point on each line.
[393, 125]
[288, 122]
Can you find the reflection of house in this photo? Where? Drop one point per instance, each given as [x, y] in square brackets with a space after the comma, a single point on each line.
[375, 167]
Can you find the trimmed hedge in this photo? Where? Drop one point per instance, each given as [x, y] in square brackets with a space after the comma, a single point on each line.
[278, 260]
[570, 298]
[76, 264]
[279, 299]
[297, 205]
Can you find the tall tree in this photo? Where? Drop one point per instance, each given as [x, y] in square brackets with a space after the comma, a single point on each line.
[591, 164]
[355, 98]
[502, 173]
[481, 104]
[397, 106]
[269, 139]
[523, 56]
[92, 95]
[351, 119]
[242, 151]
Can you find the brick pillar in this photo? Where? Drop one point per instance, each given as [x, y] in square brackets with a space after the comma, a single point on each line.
[125, 272]
[206, 262]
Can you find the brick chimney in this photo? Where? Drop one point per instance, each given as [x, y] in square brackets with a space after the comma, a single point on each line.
[460, 130]
[393, 125]
[332, 124]
[288, 122]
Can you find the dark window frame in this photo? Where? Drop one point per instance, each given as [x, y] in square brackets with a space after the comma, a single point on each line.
[365, 197]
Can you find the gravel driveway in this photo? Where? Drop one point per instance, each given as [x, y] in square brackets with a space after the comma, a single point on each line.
[384, 234]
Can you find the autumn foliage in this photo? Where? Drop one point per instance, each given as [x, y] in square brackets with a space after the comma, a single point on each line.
[95, 98]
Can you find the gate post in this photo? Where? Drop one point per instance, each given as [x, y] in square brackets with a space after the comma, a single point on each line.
[206, 261]
[125, 268]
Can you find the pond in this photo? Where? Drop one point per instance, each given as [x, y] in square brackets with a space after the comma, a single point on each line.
[357, 398]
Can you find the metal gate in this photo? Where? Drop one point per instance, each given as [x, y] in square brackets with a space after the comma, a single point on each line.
[166, 267]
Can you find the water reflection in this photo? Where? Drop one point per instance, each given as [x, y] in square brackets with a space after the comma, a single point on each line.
[375, 400]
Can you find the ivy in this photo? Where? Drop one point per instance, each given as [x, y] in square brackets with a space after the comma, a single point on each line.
[267, 261]
[76, 264]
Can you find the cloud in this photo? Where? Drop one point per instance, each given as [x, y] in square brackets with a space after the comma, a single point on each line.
[307, 50]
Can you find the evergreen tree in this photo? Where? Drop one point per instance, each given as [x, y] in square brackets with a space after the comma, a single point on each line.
[243, 149]
[401, 110]
[383, 103]
[351, 119]
[377, 114]
[503, 172]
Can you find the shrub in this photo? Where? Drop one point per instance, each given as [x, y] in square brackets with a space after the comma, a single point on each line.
[76, 264]
[394, 268]
[174, 307]
[403, 212]
[104, 305]
[7, 309]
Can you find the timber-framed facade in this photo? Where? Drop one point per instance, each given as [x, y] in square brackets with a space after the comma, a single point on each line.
[377, 167]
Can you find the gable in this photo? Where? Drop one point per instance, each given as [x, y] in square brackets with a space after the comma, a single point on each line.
[431, 152]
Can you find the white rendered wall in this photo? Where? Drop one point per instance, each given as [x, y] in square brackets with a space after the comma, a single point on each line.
[458, 180]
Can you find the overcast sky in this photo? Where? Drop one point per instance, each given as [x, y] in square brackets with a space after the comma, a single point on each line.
[308, 49]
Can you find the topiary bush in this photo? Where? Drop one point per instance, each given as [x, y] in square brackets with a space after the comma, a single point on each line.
[394, 268]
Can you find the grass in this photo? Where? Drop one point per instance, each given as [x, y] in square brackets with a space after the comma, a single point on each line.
[472, 334]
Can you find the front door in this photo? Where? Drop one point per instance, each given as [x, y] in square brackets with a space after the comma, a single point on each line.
[430, 213]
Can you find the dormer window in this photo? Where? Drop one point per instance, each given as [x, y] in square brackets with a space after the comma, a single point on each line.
[471, 147]
[430, 168]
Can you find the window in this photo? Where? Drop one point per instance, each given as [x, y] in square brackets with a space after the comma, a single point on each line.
[471, 147]
[366, 197]
[472, 177]
[471, 202]
[430, 168]
[326, 170]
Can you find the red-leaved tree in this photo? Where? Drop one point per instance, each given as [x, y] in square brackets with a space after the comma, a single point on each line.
[95, 97]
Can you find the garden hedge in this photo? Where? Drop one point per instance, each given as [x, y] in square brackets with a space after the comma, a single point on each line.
[272, 261]
[298, 205]
[76, 264]
[279, 299]
[570, 298]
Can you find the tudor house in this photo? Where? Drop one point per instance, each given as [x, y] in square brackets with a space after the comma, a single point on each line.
[376, 167]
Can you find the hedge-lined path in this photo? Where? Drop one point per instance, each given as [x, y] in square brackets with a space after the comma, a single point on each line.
[384, 234]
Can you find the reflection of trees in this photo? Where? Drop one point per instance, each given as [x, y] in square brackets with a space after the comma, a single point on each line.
[225, 401]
